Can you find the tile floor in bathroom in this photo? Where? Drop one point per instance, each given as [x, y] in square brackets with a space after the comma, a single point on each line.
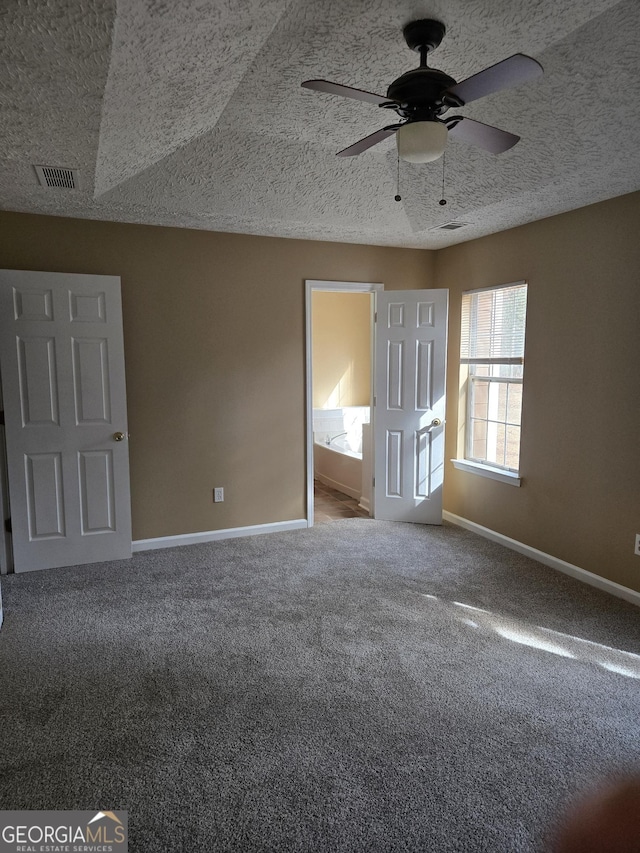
[330, 505]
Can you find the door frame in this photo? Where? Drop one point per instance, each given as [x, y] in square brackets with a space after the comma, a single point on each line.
[340, 287]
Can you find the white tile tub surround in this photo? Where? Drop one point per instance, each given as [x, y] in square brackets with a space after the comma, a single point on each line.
[329, 423]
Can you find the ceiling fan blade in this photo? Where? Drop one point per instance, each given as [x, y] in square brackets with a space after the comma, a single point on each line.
[510, 72]
[482, 135]
[368, 141]
[346, 91]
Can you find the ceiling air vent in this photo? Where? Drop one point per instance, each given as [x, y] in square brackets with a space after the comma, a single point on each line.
[54, 176]
[449, 226]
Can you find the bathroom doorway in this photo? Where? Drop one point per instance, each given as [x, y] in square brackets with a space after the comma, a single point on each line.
[407, 418]
[340, 320]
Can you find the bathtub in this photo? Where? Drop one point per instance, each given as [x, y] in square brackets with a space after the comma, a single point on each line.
[338, 450]
[339, 468]
[346, 444]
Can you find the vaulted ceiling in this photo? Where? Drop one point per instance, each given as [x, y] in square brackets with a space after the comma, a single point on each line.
[192, 114]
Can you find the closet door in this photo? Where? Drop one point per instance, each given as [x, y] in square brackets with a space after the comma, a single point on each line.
[62, 367]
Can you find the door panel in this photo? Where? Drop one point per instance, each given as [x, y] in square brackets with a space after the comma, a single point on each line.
[410, 364]
[45, 504]
[38, 381]
[62, 363]
[91, 381]
[96, 491]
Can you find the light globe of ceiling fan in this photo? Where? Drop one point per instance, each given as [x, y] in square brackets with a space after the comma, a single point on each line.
[423, 95]
[421, 141]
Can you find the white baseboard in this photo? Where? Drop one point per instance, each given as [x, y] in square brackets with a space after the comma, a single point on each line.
[546, 559]
[365, 504]
[340, 487]
[213, 535]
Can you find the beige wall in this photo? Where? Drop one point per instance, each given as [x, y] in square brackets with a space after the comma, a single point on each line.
[341, 335]
[214, 348]
[215, 358]
[580, 456]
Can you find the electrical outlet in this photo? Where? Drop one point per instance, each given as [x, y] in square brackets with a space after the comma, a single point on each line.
[637, 550]
[218, 495]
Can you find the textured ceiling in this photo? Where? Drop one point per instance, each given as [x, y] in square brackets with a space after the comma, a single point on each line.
[192, 114]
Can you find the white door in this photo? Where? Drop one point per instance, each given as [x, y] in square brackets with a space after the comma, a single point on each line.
[409, 410]
[62, 364]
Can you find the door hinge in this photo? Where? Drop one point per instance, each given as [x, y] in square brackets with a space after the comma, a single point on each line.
[375, 317]
[374, 483]
[1, 418]
[7, 525]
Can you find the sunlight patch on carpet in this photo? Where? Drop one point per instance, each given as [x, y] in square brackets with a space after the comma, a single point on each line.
[545, 639]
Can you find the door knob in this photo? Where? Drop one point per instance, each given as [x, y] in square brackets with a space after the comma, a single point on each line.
[436, 422]
[119, 436]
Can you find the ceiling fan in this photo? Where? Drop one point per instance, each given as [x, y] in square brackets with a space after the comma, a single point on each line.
[423, 95]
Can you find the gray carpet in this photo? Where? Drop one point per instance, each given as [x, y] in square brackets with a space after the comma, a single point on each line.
[361, 686]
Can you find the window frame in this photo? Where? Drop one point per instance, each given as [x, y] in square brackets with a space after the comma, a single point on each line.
[466, 460]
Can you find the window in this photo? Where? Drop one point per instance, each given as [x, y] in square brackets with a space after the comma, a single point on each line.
[492, 366]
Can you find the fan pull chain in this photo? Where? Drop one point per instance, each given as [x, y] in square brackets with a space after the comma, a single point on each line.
[397, 196]
[443, 200]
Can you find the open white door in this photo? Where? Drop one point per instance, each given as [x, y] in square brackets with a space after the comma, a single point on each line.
[409, 410]
[62, 363]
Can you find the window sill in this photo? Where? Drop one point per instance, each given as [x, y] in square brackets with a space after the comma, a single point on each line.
[486, 471]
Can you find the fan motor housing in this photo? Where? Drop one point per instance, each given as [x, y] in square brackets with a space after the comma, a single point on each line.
[421, 89]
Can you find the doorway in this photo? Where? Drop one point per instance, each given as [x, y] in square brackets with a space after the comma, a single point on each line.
[339, 360]
[408, 359]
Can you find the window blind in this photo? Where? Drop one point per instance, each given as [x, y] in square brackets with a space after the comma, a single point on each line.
[493, 323]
